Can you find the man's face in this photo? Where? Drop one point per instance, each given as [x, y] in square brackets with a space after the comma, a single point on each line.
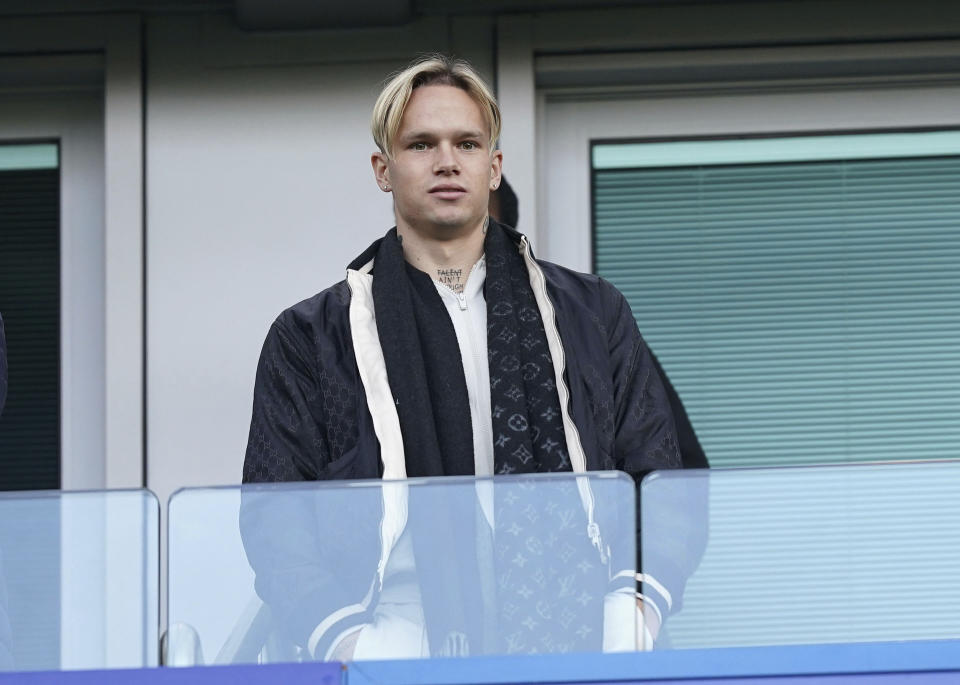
[442, 168]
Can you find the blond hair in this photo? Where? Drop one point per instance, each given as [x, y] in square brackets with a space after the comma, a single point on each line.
[429, 70]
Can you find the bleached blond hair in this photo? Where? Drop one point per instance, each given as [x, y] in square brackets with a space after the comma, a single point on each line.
[429, 70]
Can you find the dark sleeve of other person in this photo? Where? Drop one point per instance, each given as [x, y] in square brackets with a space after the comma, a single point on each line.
[6, 638]
[3, 366]
[692, 491]
[691, 453]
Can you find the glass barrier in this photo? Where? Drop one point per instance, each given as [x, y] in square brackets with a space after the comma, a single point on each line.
[847, 553]
[79, 580]
[341, 571]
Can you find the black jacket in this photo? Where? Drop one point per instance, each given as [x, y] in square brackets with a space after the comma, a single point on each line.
[311, 419]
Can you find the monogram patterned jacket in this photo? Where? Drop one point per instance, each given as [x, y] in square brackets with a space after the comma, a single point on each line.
[323, 410]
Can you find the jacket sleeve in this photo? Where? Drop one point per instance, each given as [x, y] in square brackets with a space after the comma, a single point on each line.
[284, 442]
[645, 440]
[308, 566]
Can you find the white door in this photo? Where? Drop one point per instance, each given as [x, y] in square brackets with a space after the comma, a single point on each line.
[75, 121]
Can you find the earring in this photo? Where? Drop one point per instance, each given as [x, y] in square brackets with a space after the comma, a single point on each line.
[385, 187]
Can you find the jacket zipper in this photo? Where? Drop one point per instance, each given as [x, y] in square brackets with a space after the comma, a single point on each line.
[462, 302]
[471, 337]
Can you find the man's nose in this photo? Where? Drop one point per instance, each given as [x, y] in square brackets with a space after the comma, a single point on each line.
[446, 161]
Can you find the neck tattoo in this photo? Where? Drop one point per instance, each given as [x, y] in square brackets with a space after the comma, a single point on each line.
[452, 278]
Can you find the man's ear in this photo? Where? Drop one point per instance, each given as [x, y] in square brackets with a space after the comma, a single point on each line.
[496, 169]
[381, 171]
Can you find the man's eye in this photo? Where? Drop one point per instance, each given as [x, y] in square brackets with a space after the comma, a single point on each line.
[469, 145]
[418, 146]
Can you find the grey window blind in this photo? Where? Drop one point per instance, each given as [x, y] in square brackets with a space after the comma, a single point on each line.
[855, 553]
[806, 306]
[30, 305]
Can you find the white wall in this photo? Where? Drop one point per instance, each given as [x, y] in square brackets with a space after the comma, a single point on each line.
[76, 121]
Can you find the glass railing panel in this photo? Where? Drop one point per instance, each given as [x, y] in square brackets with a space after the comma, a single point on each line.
[341, 571]
[831, 554]
[79, 580]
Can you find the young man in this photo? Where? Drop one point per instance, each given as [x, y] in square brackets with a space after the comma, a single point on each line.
[448, 349]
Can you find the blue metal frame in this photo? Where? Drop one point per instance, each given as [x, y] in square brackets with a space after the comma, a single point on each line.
[674, 665]
[886, 663]
[288, 674]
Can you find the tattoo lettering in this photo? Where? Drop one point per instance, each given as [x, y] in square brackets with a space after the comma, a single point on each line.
[452, 278]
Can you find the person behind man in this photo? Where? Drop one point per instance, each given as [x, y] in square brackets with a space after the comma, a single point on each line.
[448, 349]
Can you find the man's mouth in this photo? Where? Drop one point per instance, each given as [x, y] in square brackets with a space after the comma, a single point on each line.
[448, 191]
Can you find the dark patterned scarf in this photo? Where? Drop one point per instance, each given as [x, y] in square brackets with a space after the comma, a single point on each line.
[426, 373]
[426, 377]
[528, 432]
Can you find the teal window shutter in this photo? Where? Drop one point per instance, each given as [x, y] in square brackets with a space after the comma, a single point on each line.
[802, 293]
[30, 306]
